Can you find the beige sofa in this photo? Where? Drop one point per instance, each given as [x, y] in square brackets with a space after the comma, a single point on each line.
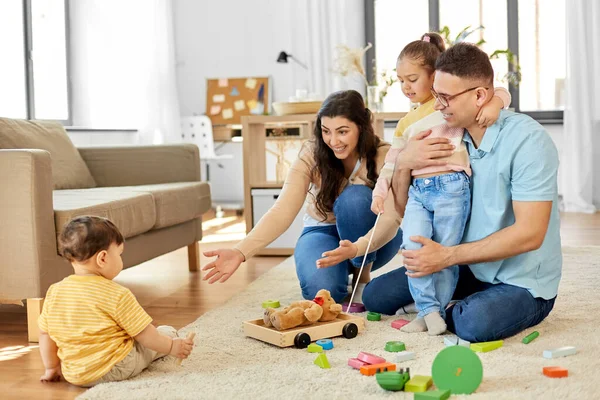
[152, 193]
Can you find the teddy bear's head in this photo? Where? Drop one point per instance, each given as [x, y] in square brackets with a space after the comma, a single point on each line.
[330, 308]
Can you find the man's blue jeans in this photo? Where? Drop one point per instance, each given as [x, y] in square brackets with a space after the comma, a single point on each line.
[437, 208]
[484, 312]
[354, 219]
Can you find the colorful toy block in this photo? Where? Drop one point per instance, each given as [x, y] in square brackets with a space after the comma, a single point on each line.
[484, 347]
[395, 346]
[555, 372]
[322, 361]
[433, 395]
[354, 307]
[405, 356]
[393, 380]
[560, 352]
[372, 369]
[356, 363]
[373, 316]
[529, 338]
[418, 383]
[399, 323]
[271, 304]
[453, 340]
[370, 358]
[326, 344]
[314, 348]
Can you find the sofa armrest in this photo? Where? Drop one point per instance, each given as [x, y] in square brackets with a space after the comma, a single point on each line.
[142, 165]
[28, 248]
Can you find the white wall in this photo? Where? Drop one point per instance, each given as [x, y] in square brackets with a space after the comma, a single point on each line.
[229, 38]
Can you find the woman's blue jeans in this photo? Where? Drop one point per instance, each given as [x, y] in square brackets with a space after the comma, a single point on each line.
[354, 219]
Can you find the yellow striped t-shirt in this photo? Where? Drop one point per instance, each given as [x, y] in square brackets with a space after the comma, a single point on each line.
[93, 321]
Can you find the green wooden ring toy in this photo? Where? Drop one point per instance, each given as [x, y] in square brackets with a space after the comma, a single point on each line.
[373, 316]
[271, 304]
[394, 346]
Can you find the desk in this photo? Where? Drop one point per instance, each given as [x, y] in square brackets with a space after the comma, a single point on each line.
[255, 129]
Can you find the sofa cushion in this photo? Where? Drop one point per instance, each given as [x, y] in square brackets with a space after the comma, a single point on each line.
[69, 171]
[132, 212]
[176, 202]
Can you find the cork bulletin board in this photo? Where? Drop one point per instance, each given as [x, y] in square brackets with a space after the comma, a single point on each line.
[228, 99]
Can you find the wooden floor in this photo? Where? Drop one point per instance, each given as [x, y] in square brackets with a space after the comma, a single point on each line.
[174, 296]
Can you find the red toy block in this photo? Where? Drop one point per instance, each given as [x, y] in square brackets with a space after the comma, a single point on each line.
[399, 323]
[556, 372]
[370, 358]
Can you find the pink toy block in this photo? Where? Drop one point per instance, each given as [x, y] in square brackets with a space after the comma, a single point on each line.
[370, 358]
[356, 363]
[399, 323]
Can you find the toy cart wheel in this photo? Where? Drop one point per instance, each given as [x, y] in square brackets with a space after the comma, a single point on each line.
[302, 340]
[350, 330]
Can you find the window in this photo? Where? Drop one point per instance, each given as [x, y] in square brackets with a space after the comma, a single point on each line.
[34, 72]
[534, 30]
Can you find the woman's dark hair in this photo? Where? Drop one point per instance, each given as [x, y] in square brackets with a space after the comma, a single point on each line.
[85, 236]
[350, 105]
[424, 51]
[467, 61]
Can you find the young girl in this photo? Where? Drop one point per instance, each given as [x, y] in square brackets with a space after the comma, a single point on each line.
[439, 198]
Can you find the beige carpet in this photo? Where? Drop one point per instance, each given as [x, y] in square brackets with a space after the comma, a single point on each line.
[227, 365]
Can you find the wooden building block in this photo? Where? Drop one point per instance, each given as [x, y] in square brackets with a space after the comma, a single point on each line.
[399, 323]
[560, 352]
[405, 356]
[375, 368]
[555, 372]
[418, 383]
[322, 361]
[484, 347]
[433, 395]
[34, 309]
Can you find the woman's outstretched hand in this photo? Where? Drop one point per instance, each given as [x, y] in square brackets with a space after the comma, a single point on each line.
[227, 262]
[346, 251]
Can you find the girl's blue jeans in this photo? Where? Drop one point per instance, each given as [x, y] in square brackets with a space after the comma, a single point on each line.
[354, 219]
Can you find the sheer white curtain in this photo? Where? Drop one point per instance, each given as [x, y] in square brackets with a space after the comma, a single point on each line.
[319, 27]
[123, 67]
[581, 189]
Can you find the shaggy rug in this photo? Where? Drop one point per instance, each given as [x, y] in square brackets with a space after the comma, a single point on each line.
[226, 364]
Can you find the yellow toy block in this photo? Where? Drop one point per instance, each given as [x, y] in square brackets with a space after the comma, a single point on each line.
[322, 361]
[484, 347]
[418, 383]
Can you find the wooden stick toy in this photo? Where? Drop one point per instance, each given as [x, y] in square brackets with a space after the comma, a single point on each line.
[190, 335]
[363, 263]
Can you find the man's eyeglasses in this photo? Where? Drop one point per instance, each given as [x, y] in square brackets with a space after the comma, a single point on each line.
[445, 99]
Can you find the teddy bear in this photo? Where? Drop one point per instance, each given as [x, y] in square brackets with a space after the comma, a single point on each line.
[322, 308]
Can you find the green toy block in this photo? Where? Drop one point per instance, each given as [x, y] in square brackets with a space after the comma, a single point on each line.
[529, 338]
[433, 395]
[484, 347]
[373, 316]
[322, 361]
[418, 383]
[394, 347]
[314, 348]
[393, 380]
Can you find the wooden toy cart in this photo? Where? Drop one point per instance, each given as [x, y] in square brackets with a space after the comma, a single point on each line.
[344, 325]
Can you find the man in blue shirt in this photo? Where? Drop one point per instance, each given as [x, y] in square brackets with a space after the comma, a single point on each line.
[510, 255]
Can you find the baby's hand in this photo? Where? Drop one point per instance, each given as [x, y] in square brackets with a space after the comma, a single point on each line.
[182, 347]
[377, 205]
[51, 375]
